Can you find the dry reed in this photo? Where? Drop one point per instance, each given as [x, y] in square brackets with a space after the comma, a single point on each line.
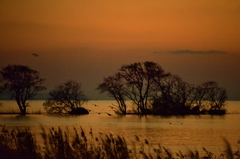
[59, 144]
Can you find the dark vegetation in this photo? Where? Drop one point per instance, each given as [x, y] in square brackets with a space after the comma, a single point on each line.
[66, 98]
[21, 83]
[147, 85]
[58, 144]
[154, 91]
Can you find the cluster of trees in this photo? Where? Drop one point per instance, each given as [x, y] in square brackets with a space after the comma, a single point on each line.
[66, 98]
[154, 91]
[23, 83]
[147, 85]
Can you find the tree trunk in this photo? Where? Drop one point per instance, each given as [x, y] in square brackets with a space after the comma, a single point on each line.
[24, 112]
[21, 107]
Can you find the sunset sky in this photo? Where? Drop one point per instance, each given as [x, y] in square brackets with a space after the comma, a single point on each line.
[87, 40]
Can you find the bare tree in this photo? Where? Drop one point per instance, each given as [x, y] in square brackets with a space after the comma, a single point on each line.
[172, 95]
[22, 83]
[114, 87]
[216, 96]
[134, 82]
[200, 95]
[150, 88]
[209, 96]
[66, 98]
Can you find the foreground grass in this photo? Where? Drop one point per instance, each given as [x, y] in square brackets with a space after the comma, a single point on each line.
[58, 144]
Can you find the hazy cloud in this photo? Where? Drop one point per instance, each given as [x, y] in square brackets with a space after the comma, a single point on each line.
[156, 52]
[198, 52]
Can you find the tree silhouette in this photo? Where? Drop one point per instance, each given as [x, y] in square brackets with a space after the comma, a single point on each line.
[173, 96]
[66, 98]
[200, 95]
[208, 97]
[216, 96]
[22, 83]
[134, 82]
[114, 87]
[153, 90]
[139, 79]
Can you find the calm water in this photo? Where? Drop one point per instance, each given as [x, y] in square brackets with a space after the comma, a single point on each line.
[175, 132]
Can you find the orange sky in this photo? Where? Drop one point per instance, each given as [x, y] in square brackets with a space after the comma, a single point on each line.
[97, 37]
[172, 24]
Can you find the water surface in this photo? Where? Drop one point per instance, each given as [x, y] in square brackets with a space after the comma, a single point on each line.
[176, 132]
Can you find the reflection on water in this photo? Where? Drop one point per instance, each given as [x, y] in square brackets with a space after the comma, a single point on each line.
[175, 132]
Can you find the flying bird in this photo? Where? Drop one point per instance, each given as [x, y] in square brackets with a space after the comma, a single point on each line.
[109, 114]
[93, 112]
[111, 107]
[36, 55]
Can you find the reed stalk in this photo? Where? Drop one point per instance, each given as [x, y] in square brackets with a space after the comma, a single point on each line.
[61, 144]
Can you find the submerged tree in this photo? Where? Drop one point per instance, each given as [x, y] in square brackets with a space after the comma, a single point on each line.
[22, 83]
[66, 98]
[140, 84]
[216, 96]
[114, 87]
[172, 96]
[153, 90]
[208, 96]
[200, 96]
[134, 82]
